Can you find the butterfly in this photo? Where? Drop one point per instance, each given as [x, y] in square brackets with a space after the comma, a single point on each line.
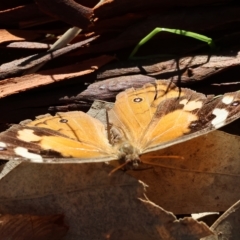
[142, 120]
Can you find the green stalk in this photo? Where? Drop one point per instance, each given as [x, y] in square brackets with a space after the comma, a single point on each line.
[197, 36]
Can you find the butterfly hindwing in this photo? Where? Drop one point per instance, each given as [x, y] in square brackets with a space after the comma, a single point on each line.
[65, 137]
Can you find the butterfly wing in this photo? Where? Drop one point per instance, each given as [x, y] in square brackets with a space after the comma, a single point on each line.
[160, 115]
[66, 137]
[150, 118]
[134, 109]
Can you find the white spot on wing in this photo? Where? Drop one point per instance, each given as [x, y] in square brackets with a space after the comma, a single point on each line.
[3, 145]
[28, 135]
[23, 152]
[227, 99]
[191, 105]
[221, 116]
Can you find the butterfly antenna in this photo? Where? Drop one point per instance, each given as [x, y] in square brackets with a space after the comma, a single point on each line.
[108, 127]
[179, 77]
[156, 95]
[115, 169]
[159, 164]
[178, 86]
[171, 156]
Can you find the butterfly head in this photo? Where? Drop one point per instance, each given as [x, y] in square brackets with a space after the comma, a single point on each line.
[129, 156]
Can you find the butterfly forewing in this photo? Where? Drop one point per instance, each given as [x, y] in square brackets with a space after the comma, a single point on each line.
[133, 110]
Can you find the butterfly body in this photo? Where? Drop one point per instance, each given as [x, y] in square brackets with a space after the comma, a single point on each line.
[142, 120]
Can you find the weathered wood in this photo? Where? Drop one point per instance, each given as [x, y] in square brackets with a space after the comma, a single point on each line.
[23, 16]
[68, 11]
[19, 66]
[185, 70]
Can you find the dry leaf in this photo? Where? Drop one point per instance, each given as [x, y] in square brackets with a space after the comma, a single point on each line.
[95, 205]
[205, 180]
[22, 227]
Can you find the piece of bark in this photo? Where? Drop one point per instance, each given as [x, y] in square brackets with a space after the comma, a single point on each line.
[23, 16]
[107, 8]
[17, 67]
[18, 35]
[191, 68]
[68, 11]
[107, 89]
[29, 45]
[4, 5]
[116, 24]
[26, 82]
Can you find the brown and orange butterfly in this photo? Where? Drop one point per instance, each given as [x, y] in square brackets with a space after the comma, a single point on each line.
[142, 120]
